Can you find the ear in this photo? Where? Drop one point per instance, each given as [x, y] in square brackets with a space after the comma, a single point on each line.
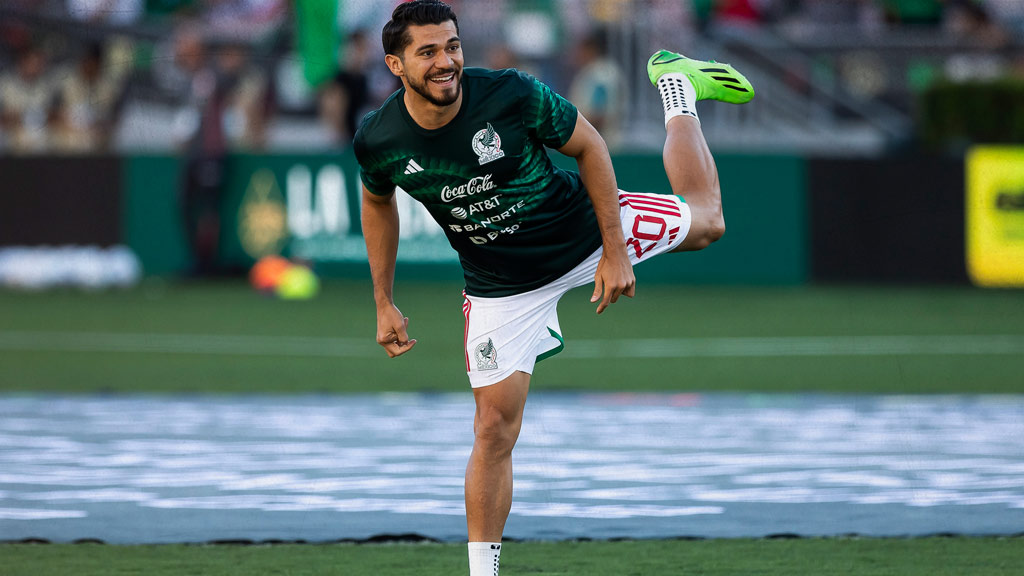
[395, 65]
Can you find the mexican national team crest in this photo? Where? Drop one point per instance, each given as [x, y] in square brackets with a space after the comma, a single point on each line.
[487, 356]
[487, 145]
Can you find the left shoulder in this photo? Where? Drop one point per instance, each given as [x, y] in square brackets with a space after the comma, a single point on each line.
[508, 80]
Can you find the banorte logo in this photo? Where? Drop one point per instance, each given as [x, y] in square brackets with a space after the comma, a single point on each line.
[474, 186]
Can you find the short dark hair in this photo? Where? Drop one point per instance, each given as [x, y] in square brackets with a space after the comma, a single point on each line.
[396, 35]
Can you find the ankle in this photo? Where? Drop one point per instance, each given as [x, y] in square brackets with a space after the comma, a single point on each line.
[678, 96]
[483, 558]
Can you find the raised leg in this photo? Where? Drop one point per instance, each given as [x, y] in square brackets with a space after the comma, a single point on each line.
[682, 82]
[693, 175]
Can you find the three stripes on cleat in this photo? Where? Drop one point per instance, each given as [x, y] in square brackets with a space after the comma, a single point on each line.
[728, 81]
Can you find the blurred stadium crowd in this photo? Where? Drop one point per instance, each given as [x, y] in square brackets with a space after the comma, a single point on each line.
[82, 76]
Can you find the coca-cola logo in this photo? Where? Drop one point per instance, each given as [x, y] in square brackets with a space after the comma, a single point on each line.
[474, 186]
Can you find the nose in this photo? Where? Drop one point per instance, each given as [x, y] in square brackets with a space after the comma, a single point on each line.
[444, 60]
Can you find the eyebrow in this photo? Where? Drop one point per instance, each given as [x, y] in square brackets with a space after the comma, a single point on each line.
[426, 46]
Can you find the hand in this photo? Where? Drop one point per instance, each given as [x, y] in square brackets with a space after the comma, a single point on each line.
[392, 331]
[614, 278]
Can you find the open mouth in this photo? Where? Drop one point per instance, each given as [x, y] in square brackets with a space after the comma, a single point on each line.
[444, 80]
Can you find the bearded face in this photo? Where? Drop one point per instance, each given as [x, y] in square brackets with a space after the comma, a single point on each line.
[432, 63]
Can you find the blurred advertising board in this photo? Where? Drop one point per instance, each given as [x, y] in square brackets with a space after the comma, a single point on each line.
[307, 207]
[304, 206]
[995, 216]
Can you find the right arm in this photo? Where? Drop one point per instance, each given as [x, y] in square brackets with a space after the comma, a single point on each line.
[380, 230]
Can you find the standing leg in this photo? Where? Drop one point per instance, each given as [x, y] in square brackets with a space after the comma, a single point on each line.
[499, 417]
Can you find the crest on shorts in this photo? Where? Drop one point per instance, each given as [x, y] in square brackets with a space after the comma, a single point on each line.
[487, 145]
[487, 356]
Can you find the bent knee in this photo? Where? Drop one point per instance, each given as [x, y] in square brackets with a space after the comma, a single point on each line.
[707, 226]
[715, 229]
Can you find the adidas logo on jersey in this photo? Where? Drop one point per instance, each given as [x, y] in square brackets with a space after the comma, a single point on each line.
[412, 167]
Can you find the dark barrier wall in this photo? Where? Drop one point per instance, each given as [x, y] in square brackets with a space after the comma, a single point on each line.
[764, 202]
[153, 225]
[887, 219]
[789, 220]
[47, 200]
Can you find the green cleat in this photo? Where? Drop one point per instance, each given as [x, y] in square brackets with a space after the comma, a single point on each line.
[711, 80]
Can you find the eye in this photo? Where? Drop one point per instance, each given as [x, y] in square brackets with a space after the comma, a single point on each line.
[427, 53]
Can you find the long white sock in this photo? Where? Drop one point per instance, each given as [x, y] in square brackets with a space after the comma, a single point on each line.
[677, 96]
[483, 558]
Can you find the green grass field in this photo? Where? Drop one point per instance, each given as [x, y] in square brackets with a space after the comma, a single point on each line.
[223, 338]
[199, 338]
[820, 557]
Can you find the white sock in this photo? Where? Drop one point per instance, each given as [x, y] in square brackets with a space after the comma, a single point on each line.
[483, 558]
[677, 96]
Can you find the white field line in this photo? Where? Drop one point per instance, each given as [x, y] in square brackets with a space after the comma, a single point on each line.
[298, 346]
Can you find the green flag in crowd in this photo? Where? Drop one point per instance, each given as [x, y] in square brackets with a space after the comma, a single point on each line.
[317, 31]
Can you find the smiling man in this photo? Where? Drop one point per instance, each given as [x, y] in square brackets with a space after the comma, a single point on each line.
[470, 145]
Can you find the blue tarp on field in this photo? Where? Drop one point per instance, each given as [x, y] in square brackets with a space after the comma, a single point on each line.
[142, 469]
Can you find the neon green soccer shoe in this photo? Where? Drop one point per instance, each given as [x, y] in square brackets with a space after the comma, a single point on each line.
[712, 80]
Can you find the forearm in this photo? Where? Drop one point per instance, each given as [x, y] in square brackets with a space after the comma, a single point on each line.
[380, 230]
[595, 167]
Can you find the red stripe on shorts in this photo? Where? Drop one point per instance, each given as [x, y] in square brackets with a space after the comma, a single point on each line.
[643, 205]
[466, 307]
[667, 202]
[653, 210]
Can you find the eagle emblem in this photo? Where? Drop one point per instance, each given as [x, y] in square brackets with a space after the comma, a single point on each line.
[487, 145]
[487, 356]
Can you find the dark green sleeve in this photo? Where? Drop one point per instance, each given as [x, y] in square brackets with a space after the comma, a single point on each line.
[371, 167]
[550, 118]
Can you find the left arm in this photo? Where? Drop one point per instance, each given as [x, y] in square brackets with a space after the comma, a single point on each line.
[614, 275]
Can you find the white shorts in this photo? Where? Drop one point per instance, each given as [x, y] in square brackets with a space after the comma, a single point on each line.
[512, 333]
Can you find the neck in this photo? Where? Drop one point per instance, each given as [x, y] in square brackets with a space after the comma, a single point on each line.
[428, 115]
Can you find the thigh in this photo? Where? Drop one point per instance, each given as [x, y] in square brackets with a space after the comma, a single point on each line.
[506, 335]
[653, 223]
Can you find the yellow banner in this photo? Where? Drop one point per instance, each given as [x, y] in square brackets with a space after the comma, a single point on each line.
[995, 216]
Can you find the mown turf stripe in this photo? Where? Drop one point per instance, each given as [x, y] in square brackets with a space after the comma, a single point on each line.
[776, 557]
[225, 344]
[250, 345]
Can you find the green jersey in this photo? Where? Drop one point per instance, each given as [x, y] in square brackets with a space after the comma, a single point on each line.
[516, 221]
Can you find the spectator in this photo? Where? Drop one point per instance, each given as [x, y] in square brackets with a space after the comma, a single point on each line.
[118, 49]
[27, 102]
[969, 19]
[200, 130]
[345, 98]
[246, 105]
[599, 90]
[353, 78]
[89, 96]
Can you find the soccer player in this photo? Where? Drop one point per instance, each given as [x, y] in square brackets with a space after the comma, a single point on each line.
[469, 144]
